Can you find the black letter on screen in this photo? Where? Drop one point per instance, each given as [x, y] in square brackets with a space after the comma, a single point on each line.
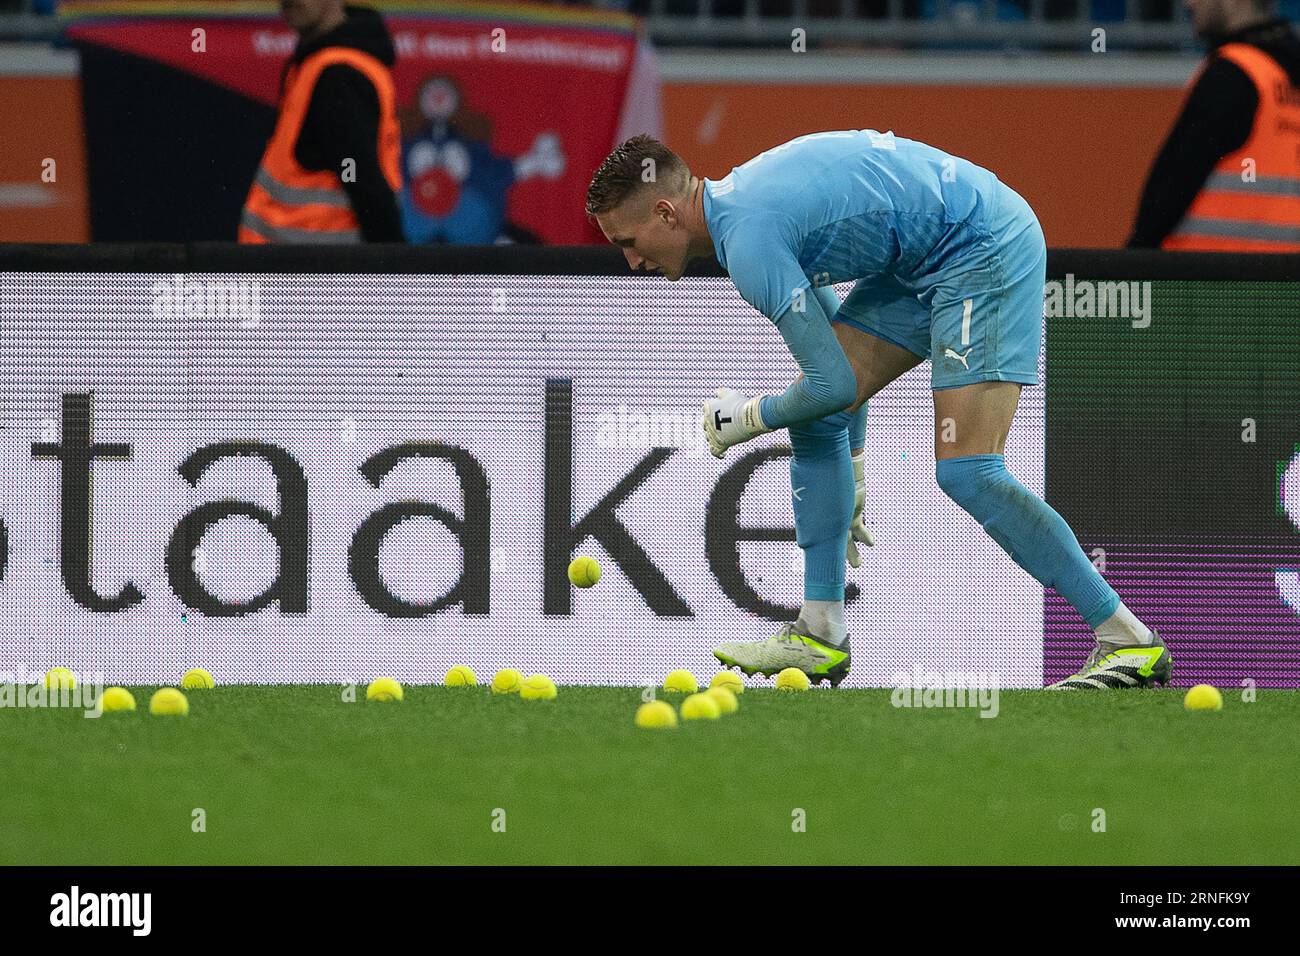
[76, 453]
[723, 533]
[563, 537]
[471, 590]
[289, 529]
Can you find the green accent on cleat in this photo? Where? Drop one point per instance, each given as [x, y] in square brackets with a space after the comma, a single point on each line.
[1122, 667]
[785, 649]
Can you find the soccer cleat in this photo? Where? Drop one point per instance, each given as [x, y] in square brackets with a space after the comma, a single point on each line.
[788, 648]
[1121, 666]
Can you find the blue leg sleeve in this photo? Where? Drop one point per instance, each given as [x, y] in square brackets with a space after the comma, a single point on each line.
[858, 428]
[821, 478]
[1028, 529]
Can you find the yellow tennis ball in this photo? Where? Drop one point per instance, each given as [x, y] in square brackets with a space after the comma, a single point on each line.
[460, 676]
[168, 702]
[792, 679]
[700, 707]
[1203, 697]
[538, 687]
[196, 678]
[730, 680]
[59, 678]
[117, 698]
[384, 689]
[507, 681]
[584, 572]
[681, 682]
[656, 714]
[726, 700]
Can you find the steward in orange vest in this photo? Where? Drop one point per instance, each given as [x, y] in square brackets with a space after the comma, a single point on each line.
[1228, 177]
[331, 169]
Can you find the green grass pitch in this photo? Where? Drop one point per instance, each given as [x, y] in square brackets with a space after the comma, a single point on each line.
[294, 775]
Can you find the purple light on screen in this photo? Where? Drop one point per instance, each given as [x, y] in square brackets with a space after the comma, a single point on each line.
[1228, 609]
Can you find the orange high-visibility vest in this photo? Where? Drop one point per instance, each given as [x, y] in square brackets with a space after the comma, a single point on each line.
[290, 204]
[1254, 206]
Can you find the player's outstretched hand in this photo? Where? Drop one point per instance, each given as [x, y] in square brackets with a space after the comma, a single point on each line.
[730, 418]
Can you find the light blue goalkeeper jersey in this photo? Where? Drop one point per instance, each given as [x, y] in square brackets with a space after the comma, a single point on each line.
[947, 261]
[837, 206]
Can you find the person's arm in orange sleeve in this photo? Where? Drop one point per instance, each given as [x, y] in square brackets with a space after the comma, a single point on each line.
[1217, 120]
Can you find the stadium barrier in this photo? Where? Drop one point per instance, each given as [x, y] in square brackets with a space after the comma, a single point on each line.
[291, 464]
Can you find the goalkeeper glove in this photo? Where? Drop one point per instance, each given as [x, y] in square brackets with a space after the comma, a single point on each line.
[858, 528]
[731, 418]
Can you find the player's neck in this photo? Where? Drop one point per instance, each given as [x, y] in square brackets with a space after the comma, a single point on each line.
[701, 241]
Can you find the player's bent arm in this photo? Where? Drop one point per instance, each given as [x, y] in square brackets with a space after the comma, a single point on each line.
[830, 302]
[828, 384]
[766, 272]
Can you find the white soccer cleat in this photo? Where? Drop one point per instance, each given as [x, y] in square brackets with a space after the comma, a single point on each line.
[1121, 667]
[788, 648]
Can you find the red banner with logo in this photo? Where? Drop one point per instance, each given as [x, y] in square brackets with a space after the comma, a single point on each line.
[506, 109]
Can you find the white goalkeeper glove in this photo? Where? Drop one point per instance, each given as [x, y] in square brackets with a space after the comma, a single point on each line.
[730, 418]
[858, 529]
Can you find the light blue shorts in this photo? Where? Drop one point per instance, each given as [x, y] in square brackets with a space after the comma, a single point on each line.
[981, 323]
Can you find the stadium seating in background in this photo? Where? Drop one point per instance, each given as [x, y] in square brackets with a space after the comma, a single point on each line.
[1098, 11]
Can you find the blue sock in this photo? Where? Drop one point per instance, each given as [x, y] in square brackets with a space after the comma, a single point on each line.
[822, 473]
[1028, 529]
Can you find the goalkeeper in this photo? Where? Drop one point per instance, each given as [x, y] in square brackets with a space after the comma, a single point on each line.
[949, 265]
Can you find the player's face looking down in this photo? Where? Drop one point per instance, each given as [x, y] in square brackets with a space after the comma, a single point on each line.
[652, 233]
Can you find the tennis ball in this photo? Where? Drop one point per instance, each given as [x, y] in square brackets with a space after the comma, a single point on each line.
[729, 680]
[538, 687]
[460, 676]
[59, 678]
[681, 682]
[792, 679]
[117, 698]
[1203, 697]
[196, 678]
[700, 707]
[168, 702]
[725, 699]
[656, 714]
[584, 572]
[384, 689]
[507, 681]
